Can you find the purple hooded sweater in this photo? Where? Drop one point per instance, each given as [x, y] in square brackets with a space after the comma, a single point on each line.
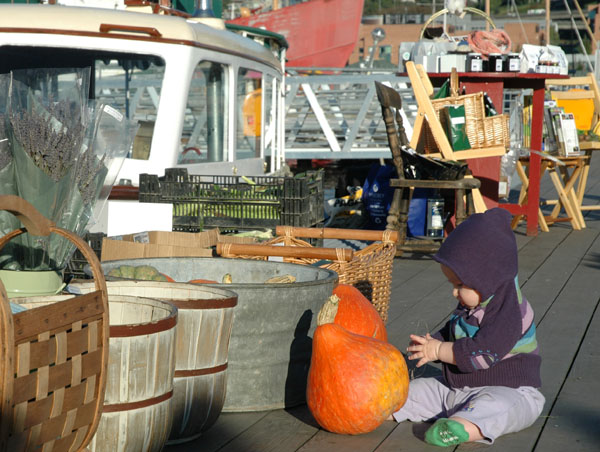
[494, 343]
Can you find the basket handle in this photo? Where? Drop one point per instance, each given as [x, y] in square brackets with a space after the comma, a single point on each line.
[445, 11]
[338, 233]
[332, 254]
[36, 224]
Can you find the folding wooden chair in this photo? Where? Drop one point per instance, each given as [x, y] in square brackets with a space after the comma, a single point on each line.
[565, 173]
[398, 213]
[488, 136]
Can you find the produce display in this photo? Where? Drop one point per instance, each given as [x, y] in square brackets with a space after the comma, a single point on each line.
[355, 382]
[237, 201]
[283, 279]
[203, 201]
[268, 210]
[141, 272]
[149, 273]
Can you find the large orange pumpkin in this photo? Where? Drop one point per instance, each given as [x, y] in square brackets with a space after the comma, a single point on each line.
[354, 382]
[357, 314]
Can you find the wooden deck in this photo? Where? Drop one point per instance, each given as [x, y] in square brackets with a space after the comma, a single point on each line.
[559, 274]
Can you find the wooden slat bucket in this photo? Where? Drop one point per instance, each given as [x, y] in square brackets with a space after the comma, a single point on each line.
[137, 412]
[203, 331]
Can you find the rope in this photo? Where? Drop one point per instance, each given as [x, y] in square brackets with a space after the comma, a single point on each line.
[486, 42]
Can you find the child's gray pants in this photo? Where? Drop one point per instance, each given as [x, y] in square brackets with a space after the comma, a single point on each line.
[496, 410]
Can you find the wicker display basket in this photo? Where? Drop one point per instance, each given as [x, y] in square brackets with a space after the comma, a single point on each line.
[54, 357]
[481, 131]
[369, 269]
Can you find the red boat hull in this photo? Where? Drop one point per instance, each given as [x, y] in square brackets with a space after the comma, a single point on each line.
[321, 33]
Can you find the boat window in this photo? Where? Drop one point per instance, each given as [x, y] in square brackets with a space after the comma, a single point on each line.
[249, 100]
[205, 122]
[132, 84]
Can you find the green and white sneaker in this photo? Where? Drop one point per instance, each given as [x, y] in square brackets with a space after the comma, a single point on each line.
[446, 432]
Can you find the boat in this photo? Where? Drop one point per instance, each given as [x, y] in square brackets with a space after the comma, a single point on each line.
[207, 99]
[320, 33]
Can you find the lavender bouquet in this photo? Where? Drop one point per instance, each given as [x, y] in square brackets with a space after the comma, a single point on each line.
[7, 186]
[61, 158]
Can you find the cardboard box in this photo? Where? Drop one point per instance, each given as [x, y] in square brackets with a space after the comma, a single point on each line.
[165, 244]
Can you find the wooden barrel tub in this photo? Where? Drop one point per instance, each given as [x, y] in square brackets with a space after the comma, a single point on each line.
[205, 317]
[137, 412]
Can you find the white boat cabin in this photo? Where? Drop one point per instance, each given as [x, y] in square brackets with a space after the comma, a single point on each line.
[205, 98]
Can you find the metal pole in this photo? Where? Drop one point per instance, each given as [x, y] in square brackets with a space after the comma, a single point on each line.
[547, 22]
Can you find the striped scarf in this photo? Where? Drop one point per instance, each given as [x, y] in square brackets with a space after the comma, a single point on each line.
[468, 326]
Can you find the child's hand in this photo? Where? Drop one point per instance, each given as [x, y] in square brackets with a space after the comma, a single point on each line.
[424, 348]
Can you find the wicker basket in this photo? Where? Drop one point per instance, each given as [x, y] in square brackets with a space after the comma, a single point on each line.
[481, 131]
[369, 269]
[54, 357]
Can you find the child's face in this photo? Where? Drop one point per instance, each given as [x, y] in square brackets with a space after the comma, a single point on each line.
[467, 297]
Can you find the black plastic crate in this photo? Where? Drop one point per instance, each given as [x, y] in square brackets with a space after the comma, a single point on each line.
[78, 261]
[236, 202]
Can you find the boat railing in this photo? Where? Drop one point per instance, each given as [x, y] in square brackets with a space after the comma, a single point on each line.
[334, 113]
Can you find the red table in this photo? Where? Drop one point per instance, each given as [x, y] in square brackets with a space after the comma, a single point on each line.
[488, 169]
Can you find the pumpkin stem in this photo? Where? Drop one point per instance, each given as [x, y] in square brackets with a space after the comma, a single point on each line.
[328, 311]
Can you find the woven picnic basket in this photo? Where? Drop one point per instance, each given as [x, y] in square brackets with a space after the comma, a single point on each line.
[368, 269]
[481, 131]
[54, 357]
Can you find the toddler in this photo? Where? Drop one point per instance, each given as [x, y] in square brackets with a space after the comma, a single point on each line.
[488, 348]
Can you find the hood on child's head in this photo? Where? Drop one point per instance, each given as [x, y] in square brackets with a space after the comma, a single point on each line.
[482, 251]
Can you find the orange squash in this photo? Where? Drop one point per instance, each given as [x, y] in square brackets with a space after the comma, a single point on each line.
[169, 279]
[357, 314]
[202, 281]
[354, 382]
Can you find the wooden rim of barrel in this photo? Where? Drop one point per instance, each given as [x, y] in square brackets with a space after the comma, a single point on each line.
[229, 299]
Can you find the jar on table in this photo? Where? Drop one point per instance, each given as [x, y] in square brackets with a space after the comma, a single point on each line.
[474, 62]
[513, 62]
[496, 62]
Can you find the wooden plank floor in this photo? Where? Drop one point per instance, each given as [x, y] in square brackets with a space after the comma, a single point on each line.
[559, 272]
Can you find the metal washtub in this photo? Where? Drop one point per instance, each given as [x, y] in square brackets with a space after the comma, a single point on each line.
[271, 338]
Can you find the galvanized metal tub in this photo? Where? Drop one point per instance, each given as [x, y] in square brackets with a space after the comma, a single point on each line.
[271, 339]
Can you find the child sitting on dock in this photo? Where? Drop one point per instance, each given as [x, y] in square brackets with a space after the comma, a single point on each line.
[488, 348]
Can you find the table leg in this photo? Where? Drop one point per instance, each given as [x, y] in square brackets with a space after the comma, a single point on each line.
[524, 199]
[564, 199]
[533, 193]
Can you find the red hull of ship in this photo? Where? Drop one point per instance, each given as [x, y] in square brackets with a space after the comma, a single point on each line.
[321, 33]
